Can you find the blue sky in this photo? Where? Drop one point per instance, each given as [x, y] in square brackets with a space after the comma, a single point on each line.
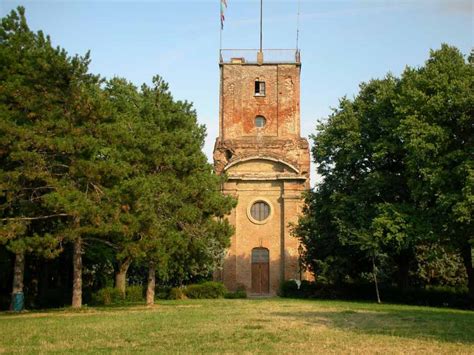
[343, 42]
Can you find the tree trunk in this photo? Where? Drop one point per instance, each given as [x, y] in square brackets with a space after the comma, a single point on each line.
[77, 274]
[466, 253]
[121, 275]
[18, 277]
[374, 272]
[150, 291]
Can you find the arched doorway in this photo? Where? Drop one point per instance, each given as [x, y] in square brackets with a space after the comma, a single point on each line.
[260, 271]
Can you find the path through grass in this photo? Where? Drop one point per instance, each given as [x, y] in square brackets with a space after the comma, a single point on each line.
[236, 326]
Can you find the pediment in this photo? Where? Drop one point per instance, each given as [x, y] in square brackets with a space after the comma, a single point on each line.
[254, 165]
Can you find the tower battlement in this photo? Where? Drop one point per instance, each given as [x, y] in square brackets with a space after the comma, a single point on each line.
[267, 56]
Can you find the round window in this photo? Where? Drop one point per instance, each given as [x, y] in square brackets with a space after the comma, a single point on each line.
[260, 121]
[260, 211]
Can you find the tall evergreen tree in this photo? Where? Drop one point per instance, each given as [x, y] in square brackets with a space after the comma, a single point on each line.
[186, 206]
[169, 188]
[54, 171]
[86, 161]
[34, 95]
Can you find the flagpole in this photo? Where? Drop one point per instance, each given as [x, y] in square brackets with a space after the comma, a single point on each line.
[220, 28]
[261, 22]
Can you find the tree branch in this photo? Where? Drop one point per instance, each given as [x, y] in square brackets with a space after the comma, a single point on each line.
[34, 218]
[106, 242]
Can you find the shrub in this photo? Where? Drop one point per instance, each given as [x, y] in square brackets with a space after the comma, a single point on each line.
[134, 294]
[236, 294]
[289, 288]
[209, 289]
[240, 292]
[107, 296]
[177, 293]
[437, 296]
[162, 292]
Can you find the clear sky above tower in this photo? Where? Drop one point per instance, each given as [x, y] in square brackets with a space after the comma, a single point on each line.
[343, 42]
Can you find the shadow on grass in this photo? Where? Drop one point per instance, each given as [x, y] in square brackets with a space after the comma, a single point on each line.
[444, 326]
[86, 310]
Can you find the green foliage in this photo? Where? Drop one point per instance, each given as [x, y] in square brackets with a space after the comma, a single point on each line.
[439, 266]
[437, 104]
[116, 166]
[171, 208]
[177, 293]
[52, 121]
[111, 296]
[396, 166]
[39, 83]
[163, 292]
[209, 289]
[236, 295]
[107, 296]
[134, 294]
[290, 288]
[240, 292]
[434, 296]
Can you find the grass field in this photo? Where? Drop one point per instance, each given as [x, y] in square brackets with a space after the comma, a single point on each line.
[242, 326]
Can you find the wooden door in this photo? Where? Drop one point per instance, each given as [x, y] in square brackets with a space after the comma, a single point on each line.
[260, 271]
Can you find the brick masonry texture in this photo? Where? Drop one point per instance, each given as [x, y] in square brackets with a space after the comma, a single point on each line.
[269, 164]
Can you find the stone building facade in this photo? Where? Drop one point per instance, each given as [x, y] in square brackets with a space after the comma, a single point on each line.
[266, 161]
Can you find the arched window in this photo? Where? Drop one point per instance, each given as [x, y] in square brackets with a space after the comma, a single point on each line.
[260, 121]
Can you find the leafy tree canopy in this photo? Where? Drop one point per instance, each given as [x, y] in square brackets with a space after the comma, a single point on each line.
[396, 173]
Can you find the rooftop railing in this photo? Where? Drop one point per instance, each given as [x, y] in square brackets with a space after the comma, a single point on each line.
[251, 56]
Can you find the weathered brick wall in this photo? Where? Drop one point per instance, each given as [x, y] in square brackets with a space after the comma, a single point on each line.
[294, 151]
[280, 106]
[269, 164]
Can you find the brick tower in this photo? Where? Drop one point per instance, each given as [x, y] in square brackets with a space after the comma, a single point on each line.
[266, 161]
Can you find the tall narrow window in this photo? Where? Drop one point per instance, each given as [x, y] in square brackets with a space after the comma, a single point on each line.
[259, 88]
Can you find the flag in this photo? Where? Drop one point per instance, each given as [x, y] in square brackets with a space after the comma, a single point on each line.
[223, 7]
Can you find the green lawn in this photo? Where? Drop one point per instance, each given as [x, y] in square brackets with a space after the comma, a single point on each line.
[236, 326]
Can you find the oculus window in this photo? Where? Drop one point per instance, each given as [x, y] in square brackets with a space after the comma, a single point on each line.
[260, 121]
[259, 88]
[260, 211]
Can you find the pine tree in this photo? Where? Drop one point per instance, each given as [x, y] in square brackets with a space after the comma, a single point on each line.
[87, 161]
[54, 175]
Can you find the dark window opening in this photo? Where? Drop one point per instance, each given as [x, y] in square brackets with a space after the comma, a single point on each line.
[259, 88]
